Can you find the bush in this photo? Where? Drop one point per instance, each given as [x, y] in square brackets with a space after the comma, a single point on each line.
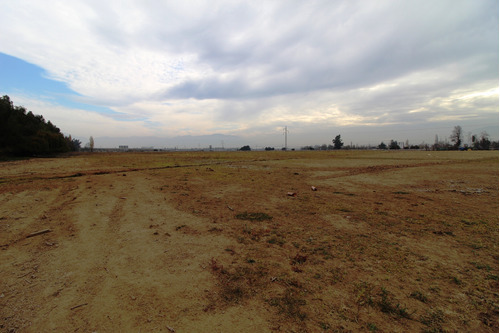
[382, 146]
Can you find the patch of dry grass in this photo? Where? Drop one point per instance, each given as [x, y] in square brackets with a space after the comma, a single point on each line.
[397, 252]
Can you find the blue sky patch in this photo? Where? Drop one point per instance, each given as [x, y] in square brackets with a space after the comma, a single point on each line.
[21, 77]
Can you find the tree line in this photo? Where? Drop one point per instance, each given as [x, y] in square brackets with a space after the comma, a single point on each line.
[23, 133]
[456, 142]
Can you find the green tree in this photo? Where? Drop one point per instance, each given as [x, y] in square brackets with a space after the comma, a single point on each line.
[73, 144]
[382, 146]
[394, 145]
[23, 133]
[337, 142]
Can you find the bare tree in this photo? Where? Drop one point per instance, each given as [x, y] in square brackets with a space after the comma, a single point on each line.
[483, 142]
[456, 136]
[91, 144]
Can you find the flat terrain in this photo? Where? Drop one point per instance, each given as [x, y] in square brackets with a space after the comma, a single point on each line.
[390, 241]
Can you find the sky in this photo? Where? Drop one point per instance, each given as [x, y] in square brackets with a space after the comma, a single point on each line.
[151, 73]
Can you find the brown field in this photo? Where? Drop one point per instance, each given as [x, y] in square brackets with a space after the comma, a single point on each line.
[211, 242]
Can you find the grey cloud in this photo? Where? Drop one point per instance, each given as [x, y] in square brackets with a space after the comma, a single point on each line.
[320, 53]
[299, 47]
[251, 58]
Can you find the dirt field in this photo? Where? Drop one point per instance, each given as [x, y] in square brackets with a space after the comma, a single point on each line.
[239, 242]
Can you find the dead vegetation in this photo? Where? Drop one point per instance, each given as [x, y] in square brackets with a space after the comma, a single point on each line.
[388, 241]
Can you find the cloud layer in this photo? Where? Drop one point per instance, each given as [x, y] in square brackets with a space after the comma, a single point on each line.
[248, 68]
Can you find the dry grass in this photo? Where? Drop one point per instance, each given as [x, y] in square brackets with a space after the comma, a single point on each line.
[390, 241]
[391, 245]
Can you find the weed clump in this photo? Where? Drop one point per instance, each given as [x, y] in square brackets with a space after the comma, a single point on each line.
[386, 305]
[433, 320]
[290, 304]
[383, 300]
[236, 283]
[419, 296]
[232, 290]
[298, 259]
[253, 216]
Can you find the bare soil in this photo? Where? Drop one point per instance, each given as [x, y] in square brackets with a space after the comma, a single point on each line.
[394, 241]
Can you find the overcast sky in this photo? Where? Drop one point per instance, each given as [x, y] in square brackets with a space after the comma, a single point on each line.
[368, 70]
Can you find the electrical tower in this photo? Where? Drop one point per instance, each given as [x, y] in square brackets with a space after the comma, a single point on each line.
[285, 132]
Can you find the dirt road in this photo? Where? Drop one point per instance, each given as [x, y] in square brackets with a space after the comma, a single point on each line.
[119, 257]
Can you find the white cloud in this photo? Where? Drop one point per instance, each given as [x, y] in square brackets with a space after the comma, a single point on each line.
[81, 123]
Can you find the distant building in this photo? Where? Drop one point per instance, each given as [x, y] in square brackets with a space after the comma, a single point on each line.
[123, 148]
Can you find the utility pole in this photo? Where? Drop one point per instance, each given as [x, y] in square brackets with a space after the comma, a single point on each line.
[285, 131]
